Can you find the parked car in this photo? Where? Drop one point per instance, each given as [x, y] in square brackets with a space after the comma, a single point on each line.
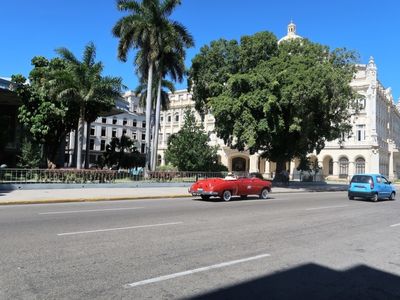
[226, 188]
[371, 186]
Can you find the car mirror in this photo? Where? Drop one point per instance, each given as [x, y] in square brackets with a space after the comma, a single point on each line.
[389, 182]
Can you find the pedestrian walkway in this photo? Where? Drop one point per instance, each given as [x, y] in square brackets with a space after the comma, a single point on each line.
[103, 194]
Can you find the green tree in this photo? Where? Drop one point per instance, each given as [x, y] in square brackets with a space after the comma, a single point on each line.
[147, 28]
[285, 102]
[121, 153]
[188, 149]
[30, 155]
[85, 85]
[45, 117]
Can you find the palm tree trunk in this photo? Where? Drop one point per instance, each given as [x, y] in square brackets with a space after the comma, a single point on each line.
[157, 125]
[148, 115]
[87, 145]
[80, 140]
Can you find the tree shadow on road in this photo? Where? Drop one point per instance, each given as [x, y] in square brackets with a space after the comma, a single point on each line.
[312, 281]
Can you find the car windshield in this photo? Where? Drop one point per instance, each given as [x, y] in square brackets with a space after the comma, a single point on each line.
[361, 179]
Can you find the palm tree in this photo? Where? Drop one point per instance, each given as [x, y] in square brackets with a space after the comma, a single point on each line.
[162, 103]
[143, 30]
[88, 88]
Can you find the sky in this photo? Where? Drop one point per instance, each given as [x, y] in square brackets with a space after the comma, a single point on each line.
[37, 27]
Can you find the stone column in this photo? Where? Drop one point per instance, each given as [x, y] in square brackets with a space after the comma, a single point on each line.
[267, 171]
[391, 167]
[336, 169]
[254, 163]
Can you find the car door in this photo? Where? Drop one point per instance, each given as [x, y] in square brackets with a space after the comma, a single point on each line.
[386, 186]
[245, 186]
[380, 186]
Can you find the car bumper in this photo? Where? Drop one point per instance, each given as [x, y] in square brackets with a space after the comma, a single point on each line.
[200, 193]
[361, 194]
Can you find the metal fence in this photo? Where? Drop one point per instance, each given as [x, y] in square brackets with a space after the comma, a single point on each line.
[32, 176]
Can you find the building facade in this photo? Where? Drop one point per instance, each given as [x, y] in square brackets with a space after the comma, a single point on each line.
[373, 146]
[127, 118]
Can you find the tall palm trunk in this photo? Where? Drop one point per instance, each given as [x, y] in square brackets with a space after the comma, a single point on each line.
[157, 125]
[148, 115]
[87, 145]
[80, 139]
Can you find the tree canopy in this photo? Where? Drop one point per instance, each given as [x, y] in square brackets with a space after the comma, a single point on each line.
[188, 149]
[285, 101]
[44, 116]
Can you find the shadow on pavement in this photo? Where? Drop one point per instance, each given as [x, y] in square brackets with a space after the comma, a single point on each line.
[3, 192]
[313, 281]
[234, 198]
[311, 186]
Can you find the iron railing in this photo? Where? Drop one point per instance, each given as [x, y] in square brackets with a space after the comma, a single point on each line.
[32, 176]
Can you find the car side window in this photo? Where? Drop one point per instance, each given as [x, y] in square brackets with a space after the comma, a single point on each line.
[384, 180]
[378, 179]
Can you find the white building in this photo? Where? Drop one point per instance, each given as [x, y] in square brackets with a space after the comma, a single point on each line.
[126, 119]
[372, 147]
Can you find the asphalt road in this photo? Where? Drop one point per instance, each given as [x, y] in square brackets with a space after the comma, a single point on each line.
[291, 246]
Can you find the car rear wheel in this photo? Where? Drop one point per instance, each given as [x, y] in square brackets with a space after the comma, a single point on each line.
[375, 197]
[205, 197]
[392, 196]
[226, 195]
[264, 194]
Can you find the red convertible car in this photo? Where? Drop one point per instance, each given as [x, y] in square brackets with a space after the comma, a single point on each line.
[226, 188]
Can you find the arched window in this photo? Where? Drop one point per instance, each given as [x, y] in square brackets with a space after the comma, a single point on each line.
[360, 165]
[239, 164]
[330, 167]
[343, 167]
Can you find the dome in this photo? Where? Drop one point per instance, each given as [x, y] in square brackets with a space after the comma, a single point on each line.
[291, 33]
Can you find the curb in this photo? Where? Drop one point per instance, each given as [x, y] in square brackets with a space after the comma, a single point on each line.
[116, 198]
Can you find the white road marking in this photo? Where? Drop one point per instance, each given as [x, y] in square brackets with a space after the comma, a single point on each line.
[189, 272]
[326, 207]
[120, 228]
[394, 225]
[86, 210]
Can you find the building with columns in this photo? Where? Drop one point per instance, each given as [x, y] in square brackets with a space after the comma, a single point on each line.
[373, 146]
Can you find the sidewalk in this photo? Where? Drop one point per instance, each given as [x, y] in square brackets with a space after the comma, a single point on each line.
[104, 194]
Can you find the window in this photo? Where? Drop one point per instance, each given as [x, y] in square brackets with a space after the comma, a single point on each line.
[114, 132]
[142, 149]
[123, 131]
[144, 124]
[158, 160]
[125, 121]
[169, 119]
[343, 167]
[330, 167]
[360, 132]
[102, 145]
[176, 118]
[160, 136]
[92, 130]
[91, 145]
[360, 165]
[115, 121]
[103, 131]
[361, 104]
[104, 120]
[134, 123]
[161, 119]
[143, 136]
[134, 135]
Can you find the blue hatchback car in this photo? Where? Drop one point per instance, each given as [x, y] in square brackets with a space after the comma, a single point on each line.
[371, 186]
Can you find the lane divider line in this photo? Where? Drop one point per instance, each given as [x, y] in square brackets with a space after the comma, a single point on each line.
[394, 225]
[193, 271]
[326, 207]
[87, 210]
[119, 228]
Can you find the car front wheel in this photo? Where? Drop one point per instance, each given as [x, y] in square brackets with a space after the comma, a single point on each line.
[227, 195]
[264, 194]
[392, 196]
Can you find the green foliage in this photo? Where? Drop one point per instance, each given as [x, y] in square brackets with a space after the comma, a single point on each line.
[188, 149]
[285, 100]
[46, 117]
[116, 154]
[30, 155]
